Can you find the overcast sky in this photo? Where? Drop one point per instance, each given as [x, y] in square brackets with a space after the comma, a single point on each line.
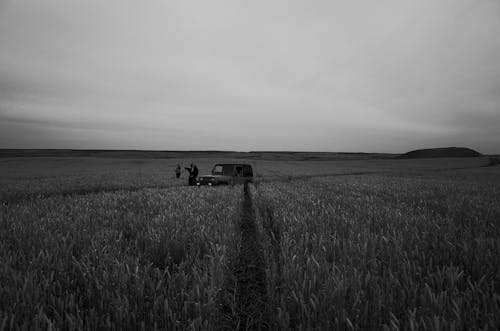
[373, 76]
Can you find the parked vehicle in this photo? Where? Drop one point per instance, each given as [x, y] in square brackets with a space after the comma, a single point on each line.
[228, 174]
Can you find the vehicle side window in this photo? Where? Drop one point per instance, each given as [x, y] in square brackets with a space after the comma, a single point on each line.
[217, 170]
[228, 169]
[247, 171]
[239, 171]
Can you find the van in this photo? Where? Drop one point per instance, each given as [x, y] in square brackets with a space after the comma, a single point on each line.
[228, 174]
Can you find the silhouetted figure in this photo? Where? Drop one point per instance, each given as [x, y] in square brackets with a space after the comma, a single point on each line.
[178, 171]
[193, 173]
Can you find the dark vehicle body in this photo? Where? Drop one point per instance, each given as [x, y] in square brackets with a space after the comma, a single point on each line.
[228, 174]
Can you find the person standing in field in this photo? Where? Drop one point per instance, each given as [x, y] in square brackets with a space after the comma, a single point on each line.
[178, 171]
[193, 172]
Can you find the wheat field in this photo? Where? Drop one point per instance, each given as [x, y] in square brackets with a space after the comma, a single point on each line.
[312, 245]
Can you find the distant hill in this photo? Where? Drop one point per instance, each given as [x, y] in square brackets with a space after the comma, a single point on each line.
[441, 152]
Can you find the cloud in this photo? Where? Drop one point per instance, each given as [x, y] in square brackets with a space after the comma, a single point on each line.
[327, 75]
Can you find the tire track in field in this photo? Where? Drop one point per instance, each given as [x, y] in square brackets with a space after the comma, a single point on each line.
[22, 197]
[244, 304]
[283, 178]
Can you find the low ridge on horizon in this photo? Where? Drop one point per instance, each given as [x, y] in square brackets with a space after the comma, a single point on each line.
[441, 152]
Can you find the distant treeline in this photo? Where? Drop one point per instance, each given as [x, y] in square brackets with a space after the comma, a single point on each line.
[107, 153]
[258, 155]
[255, 155]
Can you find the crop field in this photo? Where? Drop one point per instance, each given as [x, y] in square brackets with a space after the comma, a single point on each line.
[106, 243]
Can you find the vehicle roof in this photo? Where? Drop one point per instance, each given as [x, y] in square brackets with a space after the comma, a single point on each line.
[238, 164]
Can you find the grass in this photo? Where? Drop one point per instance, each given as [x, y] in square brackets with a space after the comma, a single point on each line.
[150, 259]
[35, 178]
[121, 244]
[370, 252]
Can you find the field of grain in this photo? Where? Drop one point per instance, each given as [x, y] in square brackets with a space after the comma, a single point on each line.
[102, 243]
[402, 252]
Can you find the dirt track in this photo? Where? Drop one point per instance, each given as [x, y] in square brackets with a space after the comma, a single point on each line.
[244, 304]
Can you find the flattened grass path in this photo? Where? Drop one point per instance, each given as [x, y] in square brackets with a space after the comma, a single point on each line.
[244, 304]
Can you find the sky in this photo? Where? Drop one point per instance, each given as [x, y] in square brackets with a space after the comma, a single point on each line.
[353, 76]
